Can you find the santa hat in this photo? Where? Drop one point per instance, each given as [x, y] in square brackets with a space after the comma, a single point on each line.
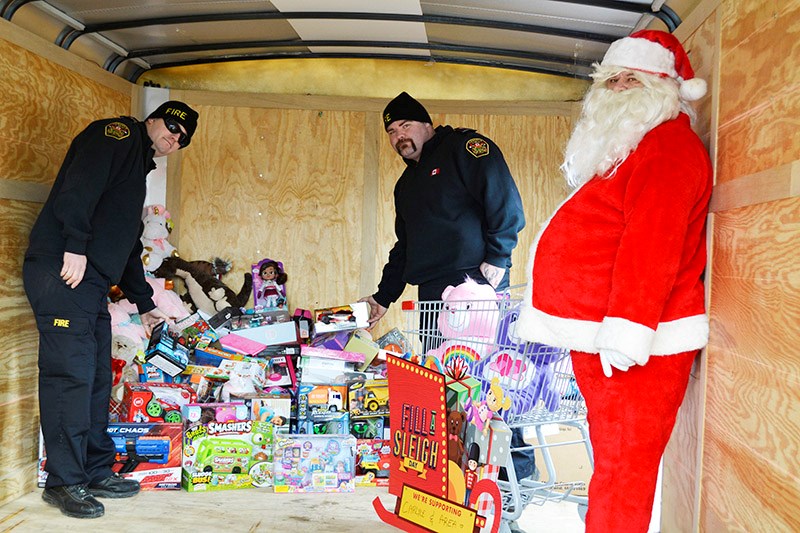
[656, 52]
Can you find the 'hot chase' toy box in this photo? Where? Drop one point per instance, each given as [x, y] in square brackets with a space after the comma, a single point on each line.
[148, 453]
[223, 449]
[314, 463]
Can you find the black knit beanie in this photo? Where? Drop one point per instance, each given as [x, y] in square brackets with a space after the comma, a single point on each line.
[404, 107]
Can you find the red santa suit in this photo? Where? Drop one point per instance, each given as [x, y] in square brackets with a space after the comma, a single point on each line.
[619, 266]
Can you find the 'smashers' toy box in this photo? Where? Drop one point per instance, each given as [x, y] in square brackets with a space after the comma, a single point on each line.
[314, 463]
[223, 449]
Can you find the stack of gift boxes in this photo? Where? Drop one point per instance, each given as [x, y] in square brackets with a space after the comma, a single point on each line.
[248, 399]
[485, 435]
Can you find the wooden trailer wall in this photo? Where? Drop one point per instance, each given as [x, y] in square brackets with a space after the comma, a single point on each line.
[309, 181]
[48, 96]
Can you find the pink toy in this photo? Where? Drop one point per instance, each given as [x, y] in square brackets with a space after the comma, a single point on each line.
[467, 321]
[167, 300]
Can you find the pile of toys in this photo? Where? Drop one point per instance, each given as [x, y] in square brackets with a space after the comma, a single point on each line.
[244, 396]
[261, 398]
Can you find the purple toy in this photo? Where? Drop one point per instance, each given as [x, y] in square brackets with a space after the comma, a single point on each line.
[524, 369]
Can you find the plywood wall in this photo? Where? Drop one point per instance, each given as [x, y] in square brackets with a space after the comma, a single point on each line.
[310, 183]
[40, 114]
[682, 473]
[751, 475]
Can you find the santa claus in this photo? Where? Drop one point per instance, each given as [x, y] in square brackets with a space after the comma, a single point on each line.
[617, 271]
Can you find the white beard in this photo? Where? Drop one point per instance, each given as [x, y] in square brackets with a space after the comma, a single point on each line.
[612, 125]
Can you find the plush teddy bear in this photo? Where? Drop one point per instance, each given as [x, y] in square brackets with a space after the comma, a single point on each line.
[157, 226]
[128, 340]
[455, 436]
[206, 293]
[467, 321]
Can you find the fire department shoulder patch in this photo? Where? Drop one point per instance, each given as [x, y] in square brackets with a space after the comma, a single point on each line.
[478, 147]
[117, 130]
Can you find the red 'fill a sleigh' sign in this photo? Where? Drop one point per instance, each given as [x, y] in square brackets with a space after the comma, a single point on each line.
[419, 462]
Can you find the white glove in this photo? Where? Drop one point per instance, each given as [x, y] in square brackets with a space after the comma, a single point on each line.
[620, 361]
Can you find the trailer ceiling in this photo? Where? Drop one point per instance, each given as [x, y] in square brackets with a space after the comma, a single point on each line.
[130, 37]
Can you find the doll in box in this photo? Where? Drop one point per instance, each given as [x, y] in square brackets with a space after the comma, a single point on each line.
[269, 285]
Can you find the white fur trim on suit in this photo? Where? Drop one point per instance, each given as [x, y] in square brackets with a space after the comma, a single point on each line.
[640, 54]
[630, 338]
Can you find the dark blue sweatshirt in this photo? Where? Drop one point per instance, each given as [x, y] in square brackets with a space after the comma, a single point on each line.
[455, 209]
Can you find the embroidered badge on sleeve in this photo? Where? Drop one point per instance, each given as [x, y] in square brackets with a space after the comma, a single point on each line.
[478, 147]
[117, 130]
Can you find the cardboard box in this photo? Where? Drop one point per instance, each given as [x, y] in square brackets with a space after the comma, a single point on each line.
[571, 461]
[224, 449]
[319, 370]
[314, 463]
[148, 453]
[165, 352]
[341, 318]
[155, 402]
[279, 333]
[323, 398]
[360, 343]
[273, 408]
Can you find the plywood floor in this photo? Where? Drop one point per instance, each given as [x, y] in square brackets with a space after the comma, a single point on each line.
[247, 511]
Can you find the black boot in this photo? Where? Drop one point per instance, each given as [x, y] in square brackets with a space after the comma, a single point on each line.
[114, 486]
[74, 501]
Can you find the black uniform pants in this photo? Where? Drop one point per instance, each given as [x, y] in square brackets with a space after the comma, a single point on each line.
[74, 371]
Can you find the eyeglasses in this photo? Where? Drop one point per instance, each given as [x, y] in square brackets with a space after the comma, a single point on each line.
[174, 127]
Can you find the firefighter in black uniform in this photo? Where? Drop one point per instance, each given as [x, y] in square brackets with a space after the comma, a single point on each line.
[457, 213]
[85, 239]
[457, 208]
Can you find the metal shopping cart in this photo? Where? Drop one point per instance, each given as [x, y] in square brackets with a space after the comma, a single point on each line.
[538, 380]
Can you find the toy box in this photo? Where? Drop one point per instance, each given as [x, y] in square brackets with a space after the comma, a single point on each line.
[361, 342]
[210, 356]
[322, 423]
[314, 463]
[195, 330]
[148, 453]
[341, 318]
[313, 399]
[165, 352]
[368, 398]
[149, 373]
[373, 462]
[274, 408]
[223, 449]
[155, 402]
[305, 324]
[321, 370]
[369, 428]
[41, 474]
[256, 320]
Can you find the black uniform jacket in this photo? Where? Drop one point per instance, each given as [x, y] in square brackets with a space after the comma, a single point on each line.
[95, 205]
